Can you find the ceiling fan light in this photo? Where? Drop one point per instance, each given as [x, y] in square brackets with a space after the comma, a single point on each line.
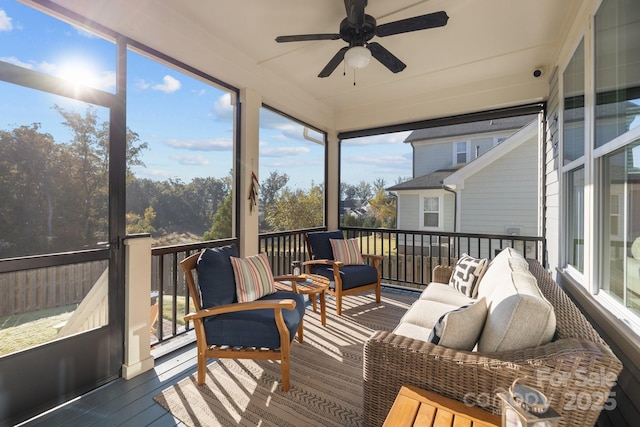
[357, 57]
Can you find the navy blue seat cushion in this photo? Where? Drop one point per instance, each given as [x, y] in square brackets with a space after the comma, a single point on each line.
[215, 276]
[320, 245]
[352, 276]
[254, 328]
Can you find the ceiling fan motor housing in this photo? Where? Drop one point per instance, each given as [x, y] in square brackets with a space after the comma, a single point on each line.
[358, 36]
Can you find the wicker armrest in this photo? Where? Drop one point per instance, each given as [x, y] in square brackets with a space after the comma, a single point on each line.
[442, 273]
[474, 378]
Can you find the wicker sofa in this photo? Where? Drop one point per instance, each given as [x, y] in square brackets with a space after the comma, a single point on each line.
[576, 370]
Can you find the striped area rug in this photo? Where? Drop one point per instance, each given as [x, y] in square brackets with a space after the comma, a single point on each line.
[326, 374]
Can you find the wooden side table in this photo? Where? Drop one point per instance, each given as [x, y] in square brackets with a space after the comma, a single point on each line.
[312, 285]
[416, 407]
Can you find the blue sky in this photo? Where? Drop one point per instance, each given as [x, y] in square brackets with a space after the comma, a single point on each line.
[187, 123]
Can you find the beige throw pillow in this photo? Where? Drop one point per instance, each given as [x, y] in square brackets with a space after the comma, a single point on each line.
[460, 329]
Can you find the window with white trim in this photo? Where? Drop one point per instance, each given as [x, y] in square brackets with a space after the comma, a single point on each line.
[461, 154]
[431, 212]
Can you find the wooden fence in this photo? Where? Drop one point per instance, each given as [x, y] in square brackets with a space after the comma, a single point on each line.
[39, 289]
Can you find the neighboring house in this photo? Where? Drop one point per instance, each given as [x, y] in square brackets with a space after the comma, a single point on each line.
[482, 177]
[355, 208]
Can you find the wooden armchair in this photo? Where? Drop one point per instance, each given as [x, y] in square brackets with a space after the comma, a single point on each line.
[225, 328]
[344, 279]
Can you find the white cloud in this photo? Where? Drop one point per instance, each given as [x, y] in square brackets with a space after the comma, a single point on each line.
[379, 160]
[142, 85]
[191, 160]
[106, 80]
[5, 21]
[283, 151]
[168, 85]
[219, 144]
[15, 61]
[223, 108]
[46, 67]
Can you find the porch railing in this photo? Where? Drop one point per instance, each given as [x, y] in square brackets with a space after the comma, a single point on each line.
[169, 288]
[408, 259]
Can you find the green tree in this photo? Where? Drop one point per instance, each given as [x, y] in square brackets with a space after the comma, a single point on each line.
[384, 208]
[141, 224]
[88, 173]
[296, 209]
[222, 221]
[32, 173]
[363, 191]
[269, 191]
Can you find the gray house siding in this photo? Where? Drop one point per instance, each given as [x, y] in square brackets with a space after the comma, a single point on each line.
[479, 146]
[409, 210]
[448, 221]
[552, 183]
[408, 205]
[431, 157]
[502, 199]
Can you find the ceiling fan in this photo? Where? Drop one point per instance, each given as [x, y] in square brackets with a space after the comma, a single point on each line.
[358, 28]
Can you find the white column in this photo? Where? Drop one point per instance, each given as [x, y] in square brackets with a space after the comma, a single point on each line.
[249, 162]
[333, 183]
[137, 334]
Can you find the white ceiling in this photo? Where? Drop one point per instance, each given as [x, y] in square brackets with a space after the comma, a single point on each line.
[483, 58]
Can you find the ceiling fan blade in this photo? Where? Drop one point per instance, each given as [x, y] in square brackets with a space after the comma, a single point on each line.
[335, 61]
[355, 12]
[386, 58]
[422, 22]
[307, 37]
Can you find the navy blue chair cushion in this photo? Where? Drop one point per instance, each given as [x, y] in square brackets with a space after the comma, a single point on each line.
[320, 245]
[254, 328]
[215, 276]
[352, 276]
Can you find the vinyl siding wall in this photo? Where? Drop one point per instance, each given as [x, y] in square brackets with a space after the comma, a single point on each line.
[408, 206]
[503, 195]
[431, 157]
[410, 209]
[552, 183]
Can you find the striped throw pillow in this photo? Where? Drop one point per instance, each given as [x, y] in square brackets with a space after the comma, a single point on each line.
[347, 251]
[254, 278]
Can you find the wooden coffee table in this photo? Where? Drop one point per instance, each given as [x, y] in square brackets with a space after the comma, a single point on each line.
[314, 285]
[416, 407]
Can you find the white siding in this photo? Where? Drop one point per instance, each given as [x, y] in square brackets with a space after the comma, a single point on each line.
[504, 194]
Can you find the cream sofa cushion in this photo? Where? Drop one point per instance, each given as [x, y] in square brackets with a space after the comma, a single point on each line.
[425, 314]
[505, 262]
[518, 315]
[442, 292]
[410, 330]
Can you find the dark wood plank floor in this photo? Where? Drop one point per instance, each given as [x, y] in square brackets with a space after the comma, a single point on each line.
[128, 403]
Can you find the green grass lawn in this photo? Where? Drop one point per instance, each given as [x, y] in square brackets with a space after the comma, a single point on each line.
[378, 245]
[30, 329]
[167, 302]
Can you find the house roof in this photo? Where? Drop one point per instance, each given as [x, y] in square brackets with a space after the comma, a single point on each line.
[509, 123]
[432, 180]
